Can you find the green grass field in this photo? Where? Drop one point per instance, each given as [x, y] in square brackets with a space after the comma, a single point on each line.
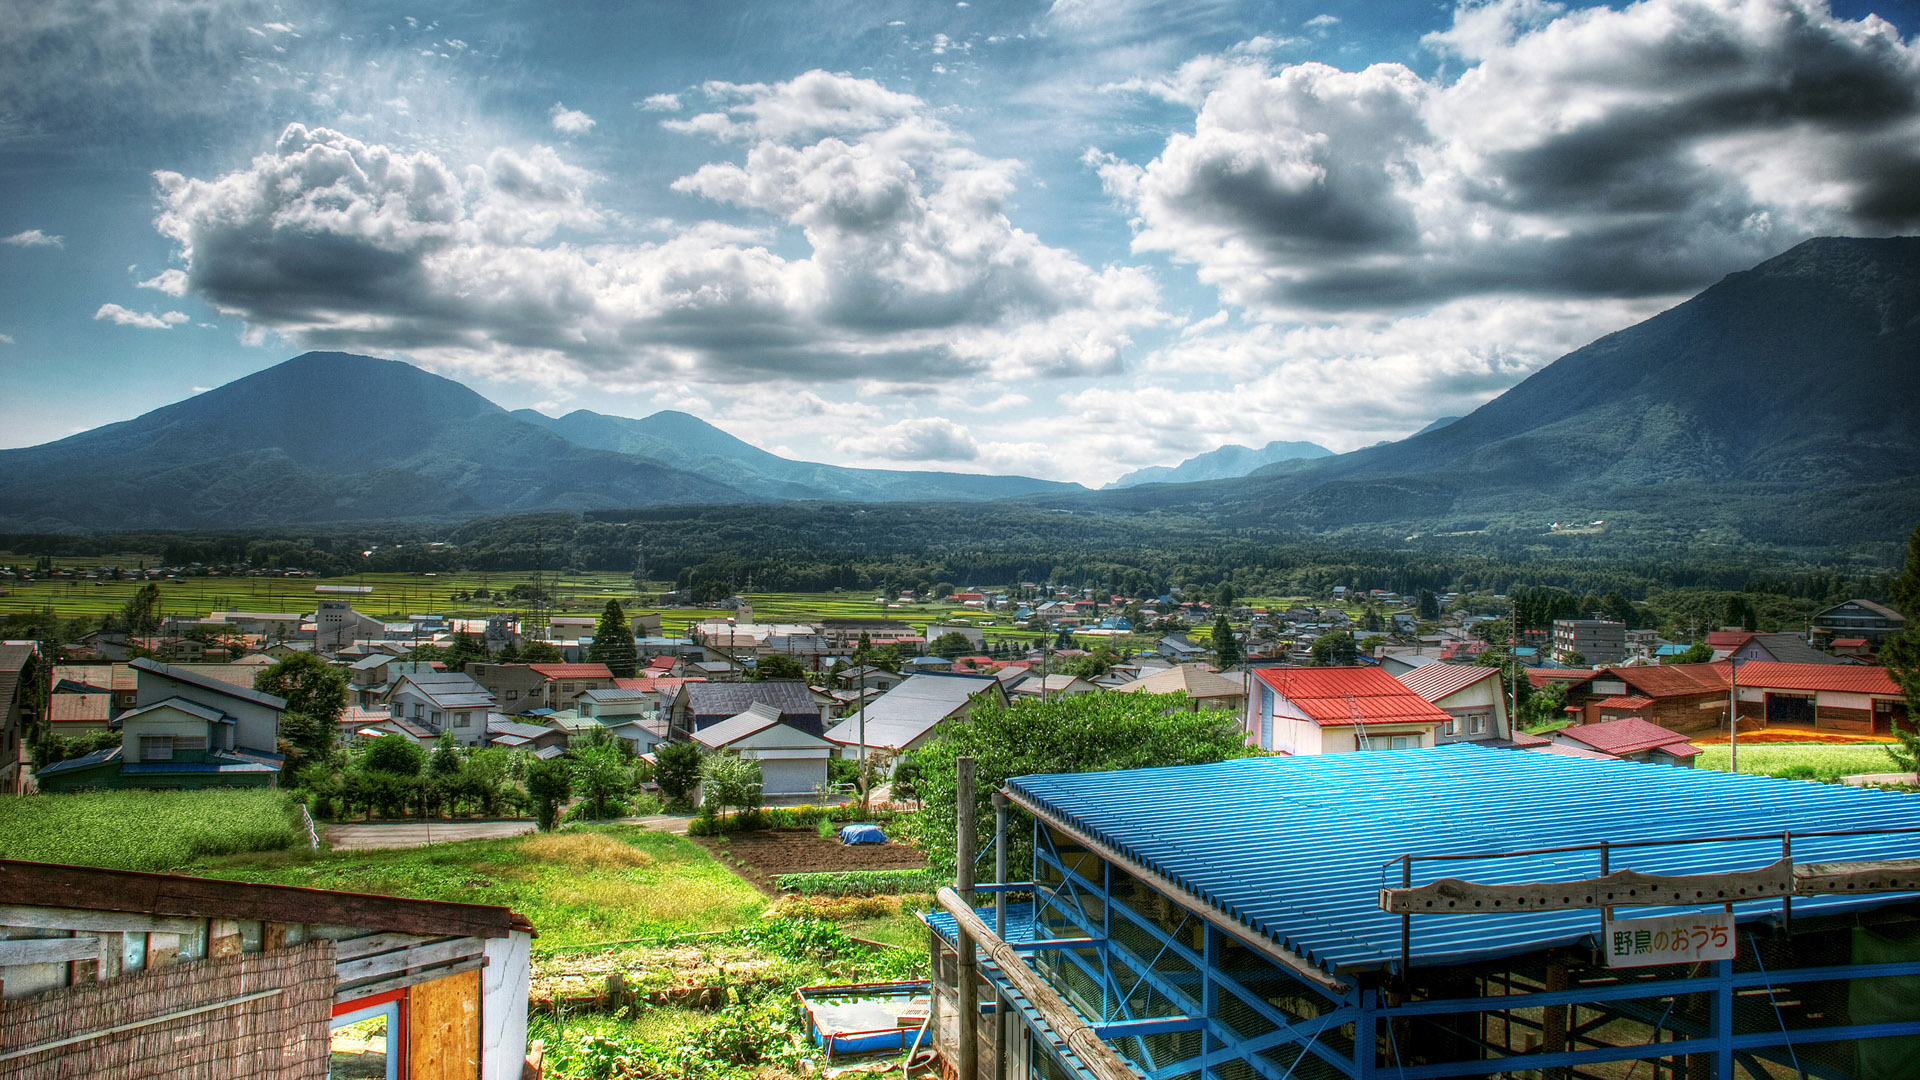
[1804, 761]
[581, 885]
[144, 830]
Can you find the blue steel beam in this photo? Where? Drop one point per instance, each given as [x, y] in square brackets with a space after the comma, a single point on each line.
[1677, 1048]
[1040, 944]
[1152, 1025]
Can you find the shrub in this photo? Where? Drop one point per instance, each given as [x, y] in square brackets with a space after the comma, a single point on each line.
[862, 882]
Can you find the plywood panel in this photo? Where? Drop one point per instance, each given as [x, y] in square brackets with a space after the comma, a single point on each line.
[443, 1028]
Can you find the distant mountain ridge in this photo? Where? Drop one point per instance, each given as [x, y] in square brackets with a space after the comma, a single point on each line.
[691, 444]
[327, 437]
[1779, 404]
[1223, 464]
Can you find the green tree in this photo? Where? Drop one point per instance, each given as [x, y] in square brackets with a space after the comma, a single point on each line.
[729, 781]
[1078, 733]
[1427, 607]
[540, 652]
[1334, 648]
[1901, 654]
[1226, 647]
[444, 762]
[775, 666]
[1224, 596]
[613, 643]
[549, 783]
[1698, 653]
[906, 780]
[141, 615]
[604, 778]
[395, 755]
[950, 646]
[677, 769]
[316, 694]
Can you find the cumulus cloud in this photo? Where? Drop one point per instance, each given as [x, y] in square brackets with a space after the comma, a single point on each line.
[34, 238]
[913, 270]
[120, 316]
[6, 339]
[570, 121]
[661, 103]
[171, 282]
[1599, 152]
[925, 438]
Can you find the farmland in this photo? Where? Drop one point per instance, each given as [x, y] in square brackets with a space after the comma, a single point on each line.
[144, 830]
[1800, 761]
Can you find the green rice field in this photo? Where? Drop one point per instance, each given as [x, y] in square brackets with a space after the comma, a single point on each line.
[145, 830]
[1801, 761]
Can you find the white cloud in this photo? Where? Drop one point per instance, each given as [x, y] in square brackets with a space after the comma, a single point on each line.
[661, 103]
[6, 339]
[120, 316]
[34, 238]
[171, 282]
[570, 121]
[927, 438]
[912, 270]
[1323, 21]
[1600, 152]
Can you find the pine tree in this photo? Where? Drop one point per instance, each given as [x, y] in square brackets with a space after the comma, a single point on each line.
[1901, 655]
[613, 643]
[1225, 646]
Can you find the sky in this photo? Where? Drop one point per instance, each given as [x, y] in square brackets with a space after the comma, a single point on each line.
[1062, 239]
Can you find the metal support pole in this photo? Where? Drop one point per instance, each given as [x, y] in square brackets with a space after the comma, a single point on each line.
[1000, 863]
[968, 1065]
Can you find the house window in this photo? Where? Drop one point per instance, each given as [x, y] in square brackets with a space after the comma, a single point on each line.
[1477, 725]
[566, 688]
[1453, 726]
[513, 695]
[463, 719]
[436, 718]
[1406, 742]
[156, 748]
[419, 711]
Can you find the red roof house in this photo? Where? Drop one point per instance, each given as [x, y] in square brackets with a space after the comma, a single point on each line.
[1837, 697]
[1631, 739]
[1337, 709]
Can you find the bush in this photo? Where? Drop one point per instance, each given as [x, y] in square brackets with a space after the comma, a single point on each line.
[862, 882]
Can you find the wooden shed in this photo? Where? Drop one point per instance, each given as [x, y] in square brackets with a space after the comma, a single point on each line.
[112, 974]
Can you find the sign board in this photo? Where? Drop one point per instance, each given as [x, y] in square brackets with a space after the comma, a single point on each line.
[1672, 939]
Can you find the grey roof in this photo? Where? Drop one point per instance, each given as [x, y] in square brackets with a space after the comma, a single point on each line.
[207, 682]
[720, 699]
[450, 689]
[1789, 649]
[374, 661]
[497, 725]
[98, 757]
[548, 753]
[612, 695]
[13, 660]
[757, 718]
[214, 716]
[908, 711]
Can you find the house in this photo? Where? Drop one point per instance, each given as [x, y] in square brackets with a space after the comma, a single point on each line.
[845, 634]
[1203, 687]
[1782, 648]
[336, 625]
[108, 973]
[1338, 709]
[566, 682]
[1629, 739]
[904, 718]
[187, 731]
[610, 704]
[1052, 686]
[700, 705]
[119, 680]
[924, 664]
[1399, 663]
[1176, 648]
[1686, 698]
[1856, 619]
[1299, 890]
[538, 739]
[793, 761]
[868, 677]
[1600, 641]
[517, 687]
[78, 714]
[976, 637]
[1828, 697]
[20, 669]
[442, 701]
[1472, 696]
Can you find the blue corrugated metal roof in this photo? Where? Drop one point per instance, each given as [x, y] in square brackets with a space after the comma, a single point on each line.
[1294, 847]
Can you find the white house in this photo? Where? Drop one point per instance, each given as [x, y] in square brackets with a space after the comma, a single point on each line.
[905, 717]
[1471, 695]
[792, 761]
[443, 701]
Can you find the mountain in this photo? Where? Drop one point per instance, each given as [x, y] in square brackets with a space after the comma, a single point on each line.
[1436, 425]
[693, 445]
[1781, 405]
[1222, 464]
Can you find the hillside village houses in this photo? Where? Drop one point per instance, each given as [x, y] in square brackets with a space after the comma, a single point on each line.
[196, 724]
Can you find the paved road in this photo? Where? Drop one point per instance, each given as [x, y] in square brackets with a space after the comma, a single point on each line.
[405, 834]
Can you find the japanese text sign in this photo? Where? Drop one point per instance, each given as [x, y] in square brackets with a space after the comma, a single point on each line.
[1673, 939]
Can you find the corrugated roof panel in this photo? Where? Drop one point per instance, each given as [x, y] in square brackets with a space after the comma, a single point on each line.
[1297, 847]
[1840, 678]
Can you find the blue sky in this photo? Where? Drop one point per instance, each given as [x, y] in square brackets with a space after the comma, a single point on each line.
[1063, 239]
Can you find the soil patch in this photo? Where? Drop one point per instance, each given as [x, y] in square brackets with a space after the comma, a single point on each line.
[764, 854]
[1792, 735]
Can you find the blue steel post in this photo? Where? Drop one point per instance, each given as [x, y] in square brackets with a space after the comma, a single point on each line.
[1723, 1020]
[1365, 1037]
[1209, 992]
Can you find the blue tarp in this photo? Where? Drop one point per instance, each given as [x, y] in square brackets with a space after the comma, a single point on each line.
[862, 834]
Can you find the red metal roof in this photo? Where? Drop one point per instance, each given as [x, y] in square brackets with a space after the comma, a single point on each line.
[1849, 642]
[79, 708]
[1629, 736]
[1729, 639]
[1435, 681]
[1626, 703]
[1841, 678]
[1540, 677]
[1331, 696]
[573, 671]
[1673, 680]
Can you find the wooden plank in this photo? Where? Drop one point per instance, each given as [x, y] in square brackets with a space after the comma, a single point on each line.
[94, 889]
[58, 950]
[1066, 1023]
[1624, 888]
[112, 954]
[162, 950]
[354, 948]
[392, 963]
[443, 1028]
[274, 935]
[1825, 879]
[49, 918]
[400, 982]
[223, 938]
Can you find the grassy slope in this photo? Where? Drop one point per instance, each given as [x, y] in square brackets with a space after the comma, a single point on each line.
[1827, 762]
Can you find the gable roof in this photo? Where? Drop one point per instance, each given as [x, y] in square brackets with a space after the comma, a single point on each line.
[1878, 609]
[1193, 680]
[758, 717]
[573, 671]
[179, 673]
[723, 699]
[13, 662]
[192, 708]
[1840, 678]
[1672, 680]
[908, 711]
[1332, 696]
[1788, 649]
[1634, 702]
[449, 689]
[1435, 681]
[1629, 736]
[79, 708]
